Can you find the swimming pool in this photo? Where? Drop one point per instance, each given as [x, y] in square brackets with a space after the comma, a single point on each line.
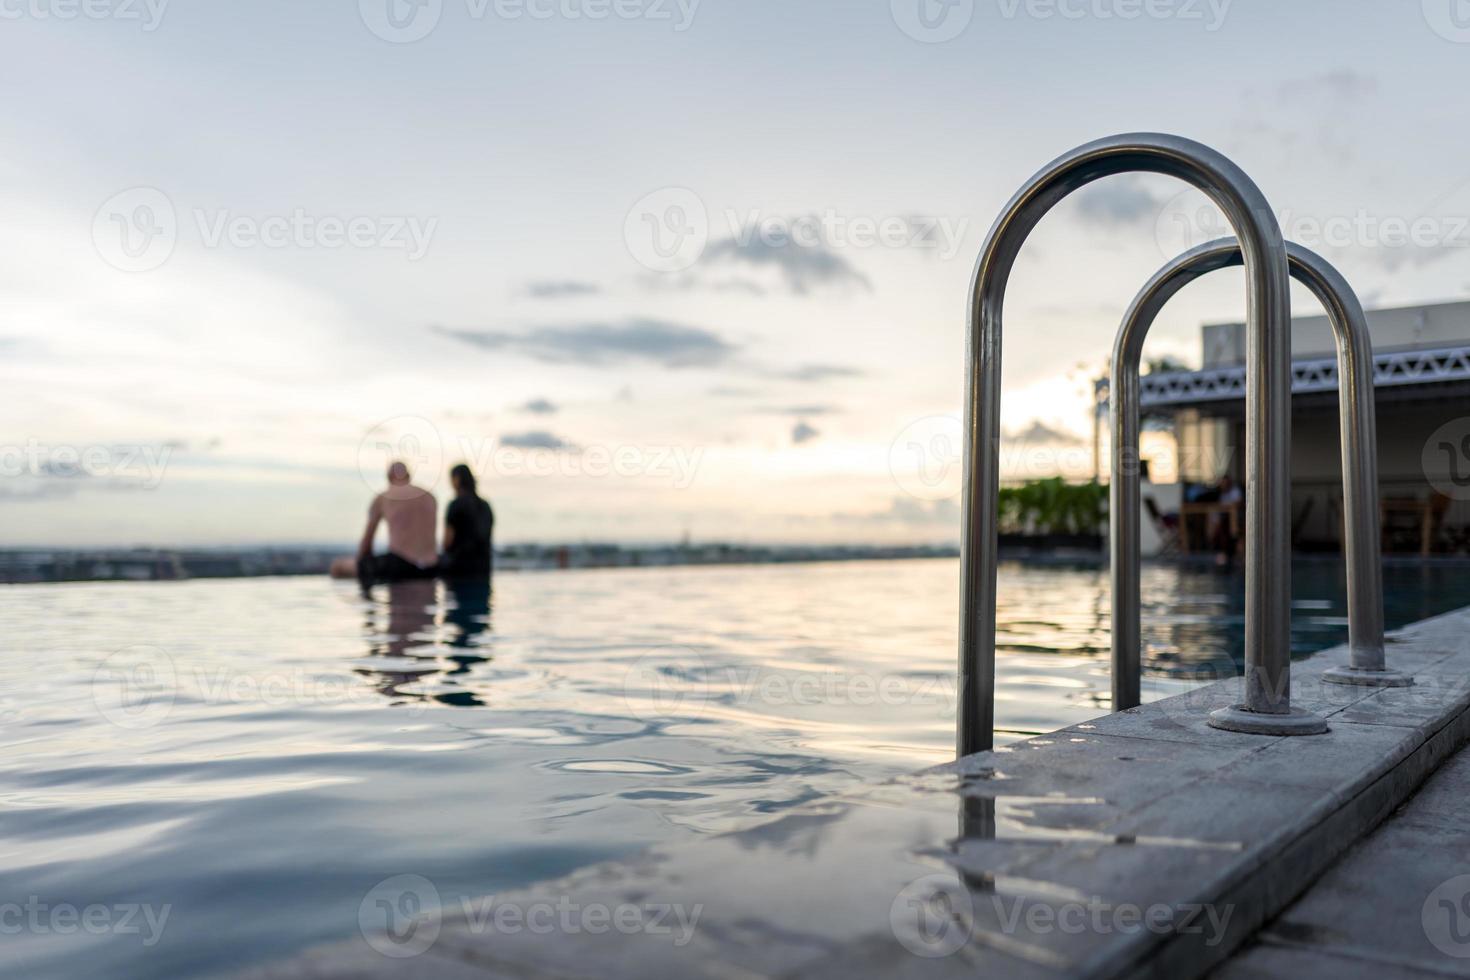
[199, 776]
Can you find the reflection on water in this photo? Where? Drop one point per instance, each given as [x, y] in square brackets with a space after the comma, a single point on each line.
[256, 755]
[409, 614]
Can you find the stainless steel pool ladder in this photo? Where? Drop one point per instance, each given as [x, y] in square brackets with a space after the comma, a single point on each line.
[1268, 433]
[1358, 427]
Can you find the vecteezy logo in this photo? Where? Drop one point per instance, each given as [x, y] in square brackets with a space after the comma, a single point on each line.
[136, 230]
[1187, 220]
[666, 683]
[927, 458]
[667, 231]
[1450, 19]
[400, 916]
[1455, 455]
[933, 917]
[401, 21]
[1446, 917]
[1446, 459]
[135, 687]
[932, 21]
[407, 439]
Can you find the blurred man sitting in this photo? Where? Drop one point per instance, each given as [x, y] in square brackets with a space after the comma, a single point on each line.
[409, 512]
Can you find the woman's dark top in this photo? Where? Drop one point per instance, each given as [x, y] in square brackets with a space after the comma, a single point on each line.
[474, 526]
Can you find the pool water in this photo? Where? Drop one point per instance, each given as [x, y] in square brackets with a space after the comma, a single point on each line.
[201, 776]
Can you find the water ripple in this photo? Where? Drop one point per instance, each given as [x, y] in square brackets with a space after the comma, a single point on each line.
[257, 755]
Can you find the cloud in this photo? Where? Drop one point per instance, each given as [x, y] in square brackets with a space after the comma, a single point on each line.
[37, 492]
[671, 345]
[540, 406]
[1038, 433]
[799, 410]
[733, 391]
[561, 288]
[689, 283]
[912, 512]
[537, 439]
[817, 372]
[1118, 202]
[802, 267]
[57, 470]
[1324, 122]
[802, 432]
[1343, 84]
[1392, 259]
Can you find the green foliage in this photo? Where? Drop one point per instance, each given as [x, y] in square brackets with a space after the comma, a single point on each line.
[1053, 506]
[1166, 365]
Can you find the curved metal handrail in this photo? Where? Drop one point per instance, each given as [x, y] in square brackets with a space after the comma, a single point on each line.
[1267, 707]
[1356, 420]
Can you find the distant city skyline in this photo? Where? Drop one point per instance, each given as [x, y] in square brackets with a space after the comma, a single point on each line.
[683, 268]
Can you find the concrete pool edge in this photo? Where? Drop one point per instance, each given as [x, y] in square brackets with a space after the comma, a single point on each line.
[1303, 859]
[1191, 817]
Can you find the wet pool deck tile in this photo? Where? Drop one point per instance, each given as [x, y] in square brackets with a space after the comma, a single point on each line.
[1397, 904]
[1139, 844]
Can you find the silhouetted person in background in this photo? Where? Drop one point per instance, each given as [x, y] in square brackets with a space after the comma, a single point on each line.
[469, 527]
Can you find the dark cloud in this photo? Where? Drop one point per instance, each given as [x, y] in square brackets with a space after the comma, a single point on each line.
[58, 470]
[671, 345]
[802, 432]
[690, 283]
[802, 267]
[732, 391]
[540, 406]
[817, 372]
[561, 288]
[538, 439]
[1117, 202]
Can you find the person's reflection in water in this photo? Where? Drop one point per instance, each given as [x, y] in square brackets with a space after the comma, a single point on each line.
[469, 530]
[468, 613]
[410, 611]
[411, 632]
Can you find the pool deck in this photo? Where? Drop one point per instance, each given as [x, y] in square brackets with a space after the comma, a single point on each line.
[1140, 844]
[1394, 905]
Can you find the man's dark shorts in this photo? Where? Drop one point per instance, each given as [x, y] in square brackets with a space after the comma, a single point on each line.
[391, 568]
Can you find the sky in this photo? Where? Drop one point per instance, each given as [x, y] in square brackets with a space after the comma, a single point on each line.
[655, 268]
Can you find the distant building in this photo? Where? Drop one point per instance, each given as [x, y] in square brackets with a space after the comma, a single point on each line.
[1422, 382]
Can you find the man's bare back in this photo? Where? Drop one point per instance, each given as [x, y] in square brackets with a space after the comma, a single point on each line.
[410, 514]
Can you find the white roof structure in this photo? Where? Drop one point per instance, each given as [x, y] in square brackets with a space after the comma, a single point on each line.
[1413, 346]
